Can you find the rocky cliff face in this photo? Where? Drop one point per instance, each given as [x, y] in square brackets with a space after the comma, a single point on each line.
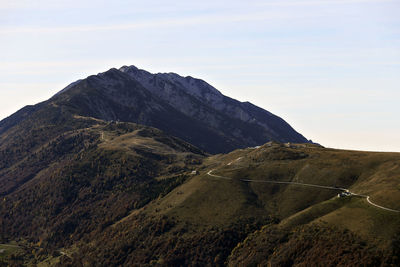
[185, 107]
[196, 98]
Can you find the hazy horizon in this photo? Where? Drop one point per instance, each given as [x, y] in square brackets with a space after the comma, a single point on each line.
[328, 68]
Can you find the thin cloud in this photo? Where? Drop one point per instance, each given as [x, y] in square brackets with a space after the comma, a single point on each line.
[7, 4]
[169, 22]
[321, 2]
[176, 22]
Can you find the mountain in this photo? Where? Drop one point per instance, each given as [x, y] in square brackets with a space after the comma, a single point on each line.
[76, 163]
[199, 100]
[115, 170]
[184, 107]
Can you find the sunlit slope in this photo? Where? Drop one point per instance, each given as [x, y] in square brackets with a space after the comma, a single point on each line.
[316, 225]
[214, 217]
[143, 204]
[367, 173]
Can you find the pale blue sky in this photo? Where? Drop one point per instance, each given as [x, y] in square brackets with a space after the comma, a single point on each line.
[331, 68]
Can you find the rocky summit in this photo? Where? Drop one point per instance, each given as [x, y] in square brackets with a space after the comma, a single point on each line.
[185, 107]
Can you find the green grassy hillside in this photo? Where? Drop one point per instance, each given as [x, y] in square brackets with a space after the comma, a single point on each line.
[227, 219]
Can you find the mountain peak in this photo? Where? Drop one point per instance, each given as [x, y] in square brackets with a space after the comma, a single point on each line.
[185, 107]
[129, 68]
[132, 70]
[189, 85]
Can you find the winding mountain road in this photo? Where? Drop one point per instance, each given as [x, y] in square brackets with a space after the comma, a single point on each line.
[300, 184]
[278, 182]
[378, 206]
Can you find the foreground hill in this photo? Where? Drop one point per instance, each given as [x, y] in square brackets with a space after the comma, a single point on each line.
[276, 204]
[184, 107]
[85, 179]
[124, 194]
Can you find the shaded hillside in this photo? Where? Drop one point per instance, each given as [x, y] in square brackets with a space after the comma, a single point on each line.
[308, 245]
[84, 180]
[198, 99]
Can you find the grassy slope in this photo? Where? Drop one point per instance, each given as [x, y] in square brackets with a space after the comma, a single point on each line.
[374, 174]
[199, 213]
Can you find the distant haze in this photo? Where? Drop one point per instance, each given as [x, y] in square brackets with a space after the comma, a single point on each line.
[329, 68]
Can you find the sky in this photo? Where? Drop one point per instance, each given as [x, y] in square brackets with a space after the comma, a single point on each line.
[330, 68]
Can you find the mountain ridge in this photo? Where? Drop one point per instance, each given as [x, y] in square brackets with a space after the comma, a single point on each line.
[185, 107]
[244, 111]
